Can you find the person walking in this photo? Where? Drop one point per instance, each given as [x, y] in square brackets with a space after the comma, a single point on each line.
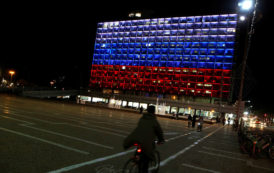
[189, 120]
[141, 109]
[223, 120]
[193, 120]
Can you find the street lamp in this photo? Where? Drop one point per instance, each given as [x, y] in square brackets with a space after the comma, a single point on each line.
[245, 7]
[11, 72]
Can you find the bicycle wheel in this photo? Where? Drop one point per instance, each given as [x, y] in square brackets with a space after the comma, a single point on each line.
[154, 165]
[131, 166]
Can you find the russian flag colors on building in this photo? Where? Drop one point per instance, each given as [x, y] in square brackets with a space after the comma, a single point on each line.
[182, 55]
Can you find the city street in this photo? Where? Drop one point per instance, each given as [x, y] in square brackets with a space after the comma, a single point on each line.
[44, 136]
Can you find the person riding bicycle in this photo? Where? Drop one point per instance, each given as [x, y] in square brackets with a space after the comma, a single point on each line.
[145, 133]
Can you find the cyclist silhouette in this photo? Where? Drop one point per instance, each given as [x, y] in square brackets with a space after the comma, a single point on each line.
[147, 130]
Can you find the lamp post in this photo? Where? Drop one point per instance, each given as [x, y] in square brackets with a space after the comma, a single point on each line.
[245, 8]
[11, 72]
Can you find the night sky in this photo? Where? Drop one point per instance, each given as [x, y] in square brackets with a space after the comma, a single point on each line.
[43, 41]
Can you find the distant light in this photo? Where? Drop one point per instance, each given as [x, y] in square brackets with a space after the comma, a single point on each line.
[246, 5]
[173, 97]
[242, 18]
[11, 72]
[245, 113]
[135, 14]
[131, 15]
[138, 14]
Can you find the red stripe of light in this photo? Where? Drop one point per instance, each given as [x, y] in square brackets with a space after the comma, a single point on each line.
[171, 80]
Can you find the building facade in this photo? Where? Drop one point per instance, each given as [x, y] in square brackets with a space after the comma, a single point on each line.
[181, 57]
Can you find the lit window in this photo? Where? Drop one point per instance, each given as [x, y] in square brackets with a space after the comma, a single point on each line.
[105, 25]
[231, 30]
[208, 92]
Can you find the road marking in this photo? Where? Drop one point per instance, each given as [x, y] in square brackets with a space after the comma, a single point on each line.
[176, 137]
[170, 133]
[221, 155]
[199, 168]
[223, 151]
[27, 124]
[248, 163]
[224, 143]
[164, 162]
[68, 168]
[97, 130]
[46, 141]
[36, 119]
[70, 118]
[78, 120]
[70, 137]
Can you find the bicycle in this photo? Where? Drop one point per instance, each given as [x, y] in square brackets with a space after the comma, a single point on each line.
[246, 141]
[263, 145]
[135, 164]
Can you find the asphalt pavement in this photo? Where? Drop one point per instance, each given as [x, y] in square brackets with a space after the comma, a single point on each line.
[44, 136]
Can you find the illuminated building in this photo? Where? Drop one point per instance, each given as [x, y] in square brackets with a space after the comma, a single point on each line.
[191, 56]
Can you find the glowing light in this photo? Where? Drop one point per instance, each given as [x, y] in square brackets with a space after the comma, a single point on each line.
[138, 14]
[246, 5]
[11, 72]
[242, 18]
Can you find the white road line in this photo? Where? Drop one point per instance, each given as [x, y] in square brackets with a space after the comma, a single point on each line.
[221, 155]
[68, 168]
[176, 137]
[170, 133]
[224, 143]
[223, 151]
[43, 140]
[70, 118]
[199, 168]
[164, 162]
[249, 163]
[81, 120]
[235, 158]
[70, 137]
[36, 119]
[97, 130]
[27, 124]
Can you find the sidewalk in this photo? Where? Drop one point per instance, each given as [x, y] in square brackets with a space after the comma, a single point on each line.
[221, 153]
